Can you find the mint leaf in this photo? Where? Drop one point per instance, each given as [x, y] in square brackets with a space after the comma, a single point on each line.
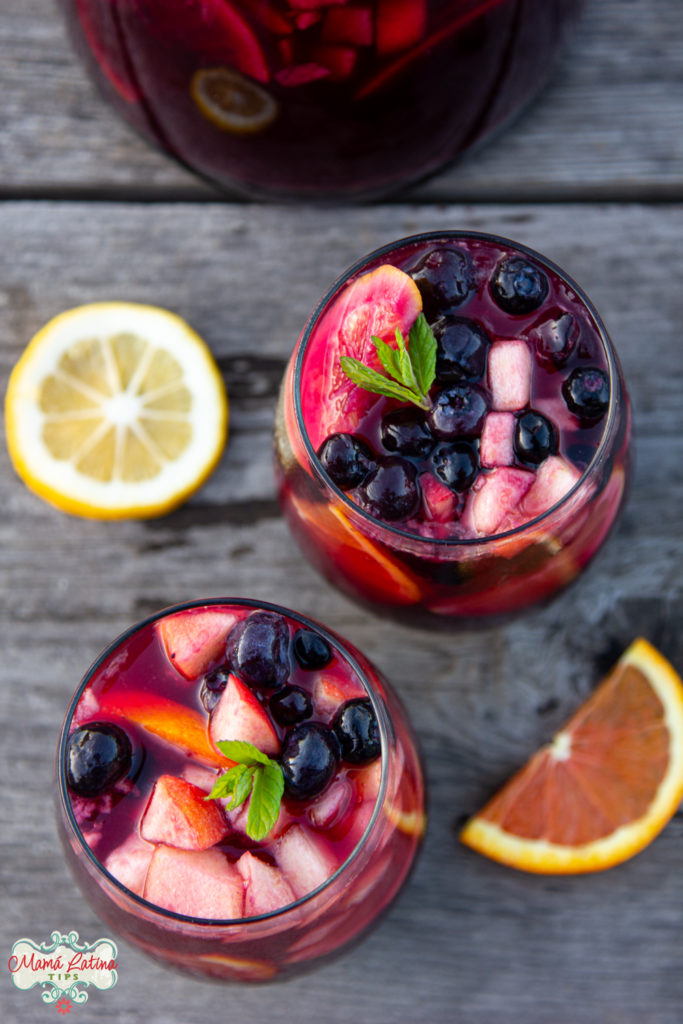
[411, 368]
[423, 353]
[264, 806]
[242, 752]
[367, 378]
[255, 777]
[388, 357]
[405, 363]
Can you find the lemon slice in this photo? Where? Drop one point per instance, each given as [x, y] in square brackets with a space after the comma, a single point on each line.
[232, 102]
[115, 410]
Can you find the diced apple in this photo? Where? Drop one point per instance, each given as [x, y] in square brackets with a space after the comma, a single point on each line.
[501, 493]
[199, 883]
[200, 776]
[237, 819]
[510, 365]
[306, 19]
[129, 862]
[441, 504]
[368, 779]
[339, 60]
[239, 716]
[349, 24]
[302, 74]
[334, 804]
[305, 859]
[195, 638]
[497, 436]
[333, 687]
[400, 24]
[266, 888]
[179, 815]
[554, 478]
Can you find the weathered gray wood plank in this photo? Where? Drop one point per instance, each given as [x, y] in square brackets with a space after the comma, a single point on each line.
[469, 941]
[610, 123]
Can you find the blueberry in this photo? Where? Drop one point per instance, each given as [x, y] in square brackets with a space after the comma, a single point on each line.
[355, 726]
[212, 687]
[346, 459]
[444, 277]
[458, 411]
[556, 339]
[391, 492]
[309, 759]
[97, 756]
[518, 286]
[586, 392]
[258, 650]
[290, 705]
[311, 650]
[535, 438]
[462, 347]
[456, 464]
[404, 431]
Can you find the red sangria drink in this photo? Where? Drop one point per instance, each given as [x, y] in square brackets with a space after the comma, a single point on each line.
[318, 98]
[239, 792]
[452, 431]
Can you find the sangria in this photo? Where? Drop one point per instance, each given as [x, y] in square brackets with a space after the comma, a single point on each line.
[452, 431]
[318, 98]
[239, 792]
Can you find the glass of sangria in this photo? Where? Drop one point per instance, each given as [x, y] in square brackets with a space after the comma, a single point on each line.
[239, 792]
[318, 98]
[452, 430]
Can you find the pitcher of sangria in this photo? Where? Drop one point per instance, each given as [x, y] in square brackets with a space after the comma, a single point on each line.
[318, 99]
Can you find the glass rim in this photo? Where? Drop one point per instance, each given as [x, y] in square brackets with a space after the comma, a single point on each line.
[450, 234]
[338, 644]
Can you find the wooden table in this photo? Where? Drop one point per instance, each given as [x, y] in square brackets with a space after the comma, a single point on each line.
[592, 175]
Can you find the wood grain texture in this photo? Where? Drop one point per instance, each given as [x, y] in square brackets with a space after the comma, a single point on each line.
[609, 124]
[468, 941]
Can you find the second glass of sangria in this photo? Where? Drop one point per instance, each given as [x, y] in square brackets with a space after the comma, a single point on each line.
[452, 431]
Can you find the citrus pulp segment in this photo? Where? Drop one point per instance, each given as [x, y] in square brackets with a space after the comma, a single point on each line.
[115, 410]
[604, 787]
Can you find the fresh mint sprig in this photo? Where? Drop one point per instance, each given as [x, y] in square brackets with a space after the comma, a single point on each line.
[411, 370]
[253, 774]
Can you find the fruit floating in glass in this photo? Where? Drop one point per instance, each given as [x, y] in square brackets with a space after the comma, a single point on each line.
[318, 98]
[239, 792]
[452, 431]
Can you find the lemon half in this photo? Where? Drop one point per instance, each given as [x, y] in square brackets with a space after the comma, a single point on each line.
[116, 410]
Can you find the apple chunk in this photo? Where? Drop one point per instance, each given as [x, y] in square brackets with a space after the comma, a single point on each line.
[199, 883]
[238, 715]
[266, 888]
[179, 814]
[193, 639]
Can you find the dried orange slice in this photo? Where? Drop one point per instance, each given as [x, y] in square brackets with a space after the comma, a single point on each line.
[115, 410]
[604, 787]
[232, 102]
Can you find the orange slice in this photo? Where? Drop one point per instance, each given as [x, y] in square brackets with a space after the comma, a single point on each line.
[604, 787]
[170, 721]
